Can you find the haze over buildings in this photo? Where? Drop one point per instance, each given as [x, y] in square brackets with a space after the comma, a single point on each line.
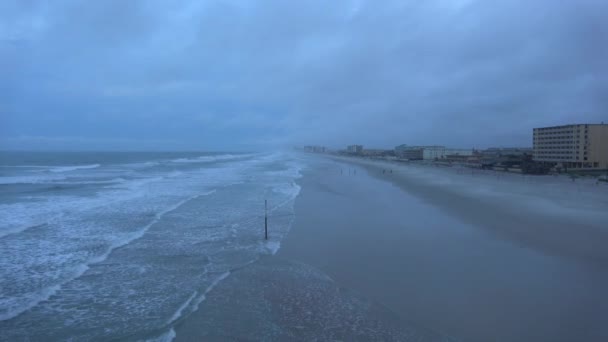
[254, 75]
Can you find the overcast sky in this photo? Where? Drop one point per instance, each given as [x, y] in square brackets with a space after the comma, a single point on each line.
[251, 75]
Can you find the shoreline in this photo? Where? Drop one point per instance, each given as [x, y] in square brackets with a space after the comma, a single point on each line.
[423, 268]
[277, 299]
[446, 258]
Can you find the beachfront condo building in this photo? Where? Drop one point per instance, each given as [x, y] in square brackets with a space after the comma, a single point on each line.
[578, 146]
[429, 152]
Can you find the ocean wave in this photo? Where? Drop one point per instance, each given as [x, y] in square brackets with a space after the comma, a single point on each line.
[21, 228]
[138, 183]
[6, 180]
[214, 283]
[73, 168]
[130, 208]
[50, 179]
[41, 209]
[203, 159]
[12, 307]
[54, 179]
[142, 164]
[21, 216]
[193, 302]
[181, 308]
[166, 337]
[26, 166]
[291, 190]
[207, 159]
[138, 234]
[85, 182]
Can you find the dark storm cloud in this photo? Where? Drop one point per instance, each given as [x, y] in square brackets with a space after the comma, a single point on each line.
[250, 74]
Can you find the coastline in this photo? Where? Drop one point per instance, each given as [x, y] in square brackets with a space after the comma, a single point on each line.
[279, 298]
[410, 259]
[449, 260]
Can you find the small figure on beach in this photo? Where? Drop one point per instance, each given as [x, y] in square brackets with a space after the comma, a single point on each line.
[383, 171]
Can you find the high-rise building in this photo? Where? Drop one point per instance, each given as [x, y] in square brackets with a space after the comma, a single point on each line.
[578, 146]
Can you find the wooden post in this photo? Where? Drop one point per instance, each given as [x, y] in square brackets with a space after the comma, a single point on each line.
[266, 219]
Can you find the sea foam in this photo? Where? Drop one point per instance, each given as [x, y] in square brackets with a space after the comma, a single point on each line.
[12, 307]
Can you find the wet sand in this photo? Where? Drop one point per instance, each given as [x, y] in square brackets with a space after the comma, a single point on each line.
[276, 299]
[573, 225]
[473, 267]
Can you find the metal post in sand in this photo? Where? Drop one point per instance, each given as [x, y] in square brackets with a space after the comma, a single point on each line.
[266, 219]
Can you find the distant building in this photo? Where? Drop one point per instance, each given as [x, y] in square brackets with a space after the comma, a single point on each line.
[433, 152]
[354, 149]
[430, 152]
[409, 152]
[506, 151]
[500, 155]
[511, 159]
[400, 150]
[371, 152]
[578, 146]
[440, 152]
[315, 149]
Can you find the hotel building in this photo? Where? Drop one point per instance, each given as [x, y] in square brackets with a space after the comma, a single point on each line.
[579, 146]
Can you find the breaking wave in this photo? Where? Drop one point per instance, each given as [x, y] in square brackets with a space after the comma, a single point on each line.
[73, 168]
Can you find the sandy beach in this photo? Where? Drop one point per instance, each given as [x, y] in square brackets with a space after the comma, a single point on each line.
[465, 263]
[388, 252]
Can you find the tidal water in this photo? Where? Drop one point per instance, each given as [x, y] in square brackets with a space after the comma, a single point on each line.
[121, 246]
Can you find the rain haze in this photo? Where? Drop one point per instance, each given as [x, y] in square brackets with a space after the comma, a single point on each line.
[249, 75]
[349, 170]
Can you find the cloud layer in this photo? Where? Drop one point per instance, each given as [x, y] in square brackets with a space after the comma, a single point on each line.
[262, 74]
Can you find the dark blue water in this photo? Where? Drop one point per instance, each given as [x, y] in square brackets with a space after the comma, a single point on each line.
[122, 245]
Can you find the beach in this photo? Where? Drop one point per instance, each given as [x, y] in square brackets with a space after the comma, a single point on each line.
[410, 259]
[170, 246]
[395, 171]
[468, 265]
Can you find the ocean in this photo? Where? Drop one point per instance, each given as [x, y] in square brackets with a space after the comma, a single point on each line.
[121, 246]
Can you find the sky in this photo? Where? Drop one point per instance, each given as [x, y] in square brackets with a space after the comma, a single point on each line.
[265, 74]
